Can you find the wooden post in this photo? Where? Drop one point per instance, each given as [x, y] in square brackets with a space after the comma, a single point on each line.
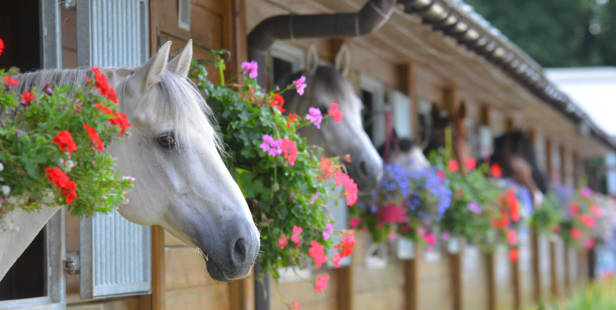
[411, 271]
[509, 124]
[158, 268]
[485, 115]
[553, 270]
[455, 263]
[548, 158]
[241, 294]
[567, 271]
[576, 172]
[535, 262]
[491, 280]
[563, 164]
[450, 99]
[515, 277]
[346, 287]
[234, 30]
[406, 78]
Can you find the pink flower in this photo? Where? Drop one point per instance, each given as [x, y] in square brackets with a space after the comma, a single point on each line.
[317, 253]
[421, 231]
[314, 197]
[321, 284]
[575, 233]
[430, 239]
[595, 210]
[512, 237]
[453, 165]
[315, 117]
[295, 305]
[441, 174]
[252, 67]
[283, 241]
[471, 163]
[474, 207]
[289, 150]
[585, 193]
[328, 230]
[354, 222]
[295, 237]
[334, 113]
[271, 146]
[589, 244]
[300, 85]
[336, 259]
[350, 187]
[587, 220]
[445, 236]
[392, 235]
[391, 213]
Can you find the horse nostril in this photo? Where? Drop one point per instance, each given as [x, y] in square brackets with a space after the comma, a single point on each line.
[362, 168]
[238, 256]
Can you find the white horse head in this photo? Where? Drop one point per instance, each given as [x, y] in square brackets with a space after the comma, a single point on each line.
[181, 182]
[327, 85]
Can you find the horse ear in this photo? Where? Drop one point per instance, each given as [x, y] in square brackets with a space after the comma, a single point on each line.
[312, 60]
[149, 74]
[343, 60]
[180, 65]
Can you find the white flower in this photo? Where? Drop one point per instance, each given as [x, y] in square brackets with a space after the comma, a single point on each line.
[68, 165]
[1, 167]
[5, 189]
[48, 196]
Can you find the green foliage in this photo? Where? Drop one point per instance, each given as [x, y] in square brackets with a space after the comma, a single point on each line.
[279, 194]
[556, 32]
[598, 296]
[547, 216]
[26, 133]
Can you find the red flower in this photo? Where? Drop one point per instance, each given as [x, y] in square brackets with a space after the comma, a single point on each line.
[317, 253]
[346, 244]
[121, 121]
[587, 220]
[321, 284]
[98, 143]
[327, 167]
[514, 254]
[453, 165]
[595, 210]
[295, 305]
[512, 202]
[61, 180]
[283, 241]
[496, 171]
[1, 46]
[336, 259]
[27, 97]
[575, 233]
[335, 113]
[103, 86]
[10, 81]
[291, 120]
[278, 102]
[589, 244]
[103, 108]
[65, 141]
[289, 150]
[575, 209]
[471, 163]
[512, 237]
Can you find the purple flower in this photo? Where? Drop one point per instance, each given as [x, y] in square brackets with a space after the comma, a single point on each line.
[445, 236]
[328, 230]
[271, 146]
[585, 193]
[300, 85]
[252, 66]
[474, 207]
[314, 197]
[315, 117]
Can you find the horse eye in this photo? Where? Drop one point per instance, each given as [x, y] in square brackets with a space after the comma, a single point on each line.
[323, 109]
[167, 141]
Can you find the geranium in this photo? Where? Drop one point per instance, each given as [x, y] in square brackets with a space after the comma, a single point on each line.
[315, 117]
[295, 236]
[327, 167]
[317, 253]
[289, 150]
[589, 244]
[471, 163]
[514, 254]
[575, 233]
[252, 68]
[453, 165]
[391, 214]
[96, 139]
[103, 108]
[512, 237]
[496, 171]
[102, 84]
[441, 175]
[121, 121]
[429, 239]
[62, 181]
[587, 220]
[329, 228]
[1, 46]
[27, 97]
[300, 85]
[278, 102]
[321, 283]
[9, 81]
[65, 141]
[292, 119]
[346, 244]
[336, 259]
[354, 222]
[350, 187]
[282, 241]
[270, 145]
[335, 113]
[295, 305]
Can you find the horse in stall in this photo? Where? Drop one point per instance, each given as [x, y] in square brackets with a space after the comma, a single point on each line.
[181, 183]
[513, 152]
[326, 85]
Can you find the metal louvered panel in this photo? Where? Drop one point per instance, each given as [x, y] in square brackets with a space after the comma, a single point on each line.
[115, 254]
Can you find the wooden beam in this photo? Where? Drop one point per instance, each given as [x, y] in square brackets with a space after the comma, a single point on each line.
[553, 270]
[455, 263]
[346, 288]
[563, 164]
[576, 171]
[548, 158]
[491, 280]
[450, 99]
[515, 277]
[411, 272]
[158, 268]
[535, 265]
[509, 124]
[567, 288]
[407, 85]
[234, 33]
[241, 294]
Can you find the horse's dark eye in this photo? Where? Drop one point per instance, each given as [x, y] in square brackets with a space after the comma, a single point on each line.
[324, 110]
[167, 141]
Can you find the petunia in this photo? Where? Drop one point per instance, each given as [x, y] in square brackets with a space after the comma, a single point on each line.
[585, 193]
[300, 85]
[252, 68]
[315, 117]
[429, 239]
[282, 241]
[98, 143]
[321, 284]
[445, 236]
[317, 252]
[335, 113]
[496, 170]
[453, 165]
[441, 174]
[64, 141]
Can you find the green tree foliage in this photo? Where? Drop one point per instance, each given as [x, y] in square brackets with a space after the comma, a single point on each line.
[557, 33]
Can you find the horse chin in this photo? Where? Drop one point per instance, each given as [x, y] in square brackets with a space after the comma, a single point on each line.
[216, 272]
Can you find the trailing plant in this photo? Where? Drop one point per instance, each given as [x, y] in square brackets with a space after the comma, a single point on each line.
[286, 181]
[52, 142]
[546, 216]
[579, 219]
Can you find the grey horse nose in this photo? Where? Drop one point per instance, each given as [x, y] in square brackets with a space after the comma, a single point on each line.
[238, 252]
